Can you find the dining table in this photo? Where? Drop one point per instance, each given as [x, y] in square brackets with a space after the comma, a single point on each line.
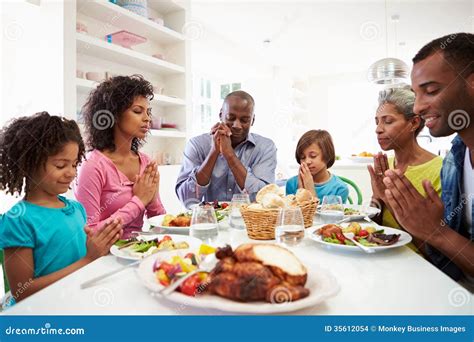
[395, 281]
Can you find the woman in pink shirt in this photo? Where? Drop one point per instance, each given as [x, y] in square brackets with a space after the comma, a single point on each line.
[117, 180]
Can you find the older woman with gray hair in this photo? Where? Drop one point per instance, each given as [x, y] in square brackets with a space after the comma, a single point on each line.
[397, 129]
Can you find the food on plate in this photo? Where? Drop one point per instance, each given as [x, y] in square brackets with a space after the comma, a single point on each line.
[184, 219]
[258, 272]
[368, 236]
[350, 211]
[355, 228]
[253, 272]
[167, 272]
[180, 220]
[363, 154]
[216, 205]
[141, 248]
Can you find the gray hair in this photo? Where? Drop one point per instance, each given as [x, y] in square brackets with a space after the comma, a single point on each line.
[403, 99]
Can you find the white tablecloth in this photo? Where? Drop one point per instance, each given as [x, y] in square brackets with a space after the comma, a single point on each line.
[393, 282]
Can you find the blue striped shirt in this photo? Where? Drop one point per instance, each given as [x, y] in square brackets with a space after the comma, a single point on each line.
[257, 154]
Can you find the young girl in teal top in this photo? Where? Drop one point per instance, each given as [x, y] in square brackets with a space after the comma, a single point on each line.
[43, 235]
[315, 154]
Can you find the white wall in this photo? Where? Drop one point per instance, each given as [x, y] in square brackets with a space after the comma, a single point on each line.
[32, 63]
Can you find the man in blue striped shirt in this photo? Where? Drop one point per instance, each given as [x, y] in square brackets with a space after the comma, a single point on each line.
[228, 160]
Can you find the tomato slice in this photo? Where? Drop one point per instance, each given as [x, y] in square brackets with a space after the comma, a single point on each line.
[190, 285]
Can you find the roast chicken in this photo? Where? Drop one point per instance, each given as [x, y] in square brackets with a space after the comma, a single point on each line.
[258, 272]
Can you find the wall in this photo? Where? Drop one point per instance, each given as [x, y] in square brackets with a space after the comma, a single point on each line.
[32, 62]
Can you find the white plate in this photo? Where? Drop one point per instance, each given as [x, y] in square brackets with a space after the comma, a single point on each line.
[364, 210]
[405, 238]
[156, 221]
[321, 283]
[357, 159]
[193, 243]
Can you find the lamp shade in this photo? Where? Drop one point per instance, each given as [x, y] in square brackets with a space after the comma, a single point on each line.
[388, 71]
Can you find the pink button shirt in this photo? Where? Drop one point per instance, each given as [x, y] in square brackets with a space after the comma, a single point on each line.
[106, 193]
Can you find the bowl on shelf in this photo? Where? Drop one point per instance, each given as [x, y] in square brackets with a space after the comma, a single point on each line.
[95, 76]
[159, 56]
[158, 21]
[81, 27]
[139, 7]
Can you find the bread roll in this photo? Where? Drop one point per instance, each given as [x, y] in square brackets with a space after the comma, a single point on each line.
[303, 195]
[255, 206]
[267, 189]
[271, 201]
[290, 201]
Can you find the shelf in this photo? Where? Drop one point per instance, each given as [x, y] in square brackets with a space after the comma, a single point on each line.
[85, 86]
[167, 134]
[107, 12]
[164, 7]
[166, 101]
[92, 46]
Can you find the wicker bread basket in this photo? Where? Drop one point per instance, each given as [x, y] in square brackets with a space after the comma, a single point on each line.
[261, 222]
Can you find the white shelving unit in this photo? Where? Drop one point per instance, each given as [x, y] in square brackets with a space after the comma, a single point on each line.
[90, 51]
[163, 133]
[95, 47]
[108, 12]
[85, 86]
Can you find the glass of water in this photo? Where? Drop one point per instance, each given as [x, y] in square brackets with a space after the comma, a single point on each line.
[204, 224]
[235, 218]
[332, 209]
[289, 229]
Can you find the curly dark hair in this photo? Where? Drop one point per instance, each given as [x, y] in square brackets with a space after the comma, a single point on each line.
[27, 142]
[106, 104]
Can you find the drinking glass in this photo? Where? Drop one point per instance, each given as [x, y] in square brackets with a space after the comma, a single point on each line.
[332, 209]
[204, 224]
[289, 229]
[235, 218]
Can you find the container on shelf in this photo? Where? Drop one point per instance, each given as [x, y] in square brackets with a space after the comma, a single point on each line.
[156, 122]
[159, 56]
[81, 27]
[139, 7]
[79, 74]
[125, 39]
[158, 89]
[95, 76]
[158, 21]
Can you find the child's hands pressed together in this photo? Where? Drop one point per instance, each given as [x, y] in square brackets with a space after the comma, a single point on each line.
[98, 243]
[305, 178]
[146, 185]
